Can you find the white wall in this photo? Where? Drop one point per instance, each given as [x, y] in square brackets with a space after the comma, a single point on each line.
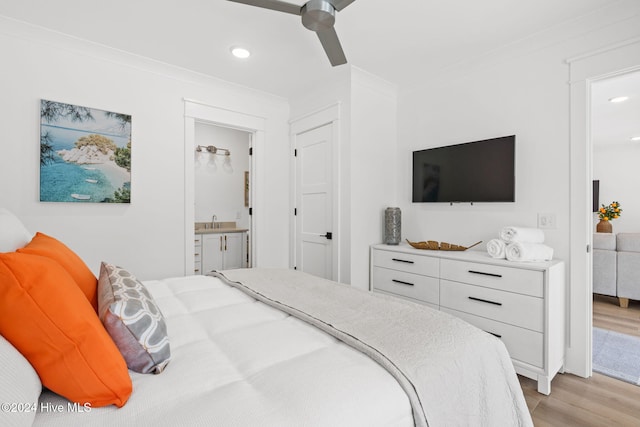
[367, 172]
[317, 97]
[616, 166]
[219, 180]
[526, 97]
[147, 236]
[524, 90]
[372, 167]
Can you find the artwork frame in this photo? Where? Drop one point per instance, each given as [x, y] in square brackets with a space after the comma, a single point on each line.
[85, 154]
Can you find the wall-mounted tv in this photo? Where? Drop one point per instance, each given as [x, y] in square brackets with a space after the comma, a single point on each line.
[479, 171]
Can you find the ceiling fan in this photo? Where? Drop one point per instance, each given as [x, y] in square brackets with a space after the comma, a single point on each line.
[318, 16]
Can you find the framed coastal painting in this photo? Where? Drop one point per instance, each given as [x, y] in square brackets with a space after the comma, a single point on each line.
[85, 154]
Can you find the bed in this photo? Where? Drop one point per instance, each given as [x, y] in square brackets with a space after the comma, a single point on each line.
[273, 347]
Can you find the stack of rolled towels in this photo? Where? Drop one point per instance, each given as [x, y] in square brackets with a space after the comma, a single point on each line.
[520, 244]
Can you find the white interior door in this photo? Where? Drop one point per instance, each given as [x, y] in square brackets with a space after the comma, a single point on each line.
[314, 186]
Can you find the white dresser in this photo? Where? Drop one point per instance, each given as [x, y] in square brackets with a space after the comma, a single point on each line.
[521, 303]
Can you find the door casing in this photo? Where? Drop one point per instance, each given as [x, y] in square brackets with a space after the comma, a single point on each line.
[195, 111]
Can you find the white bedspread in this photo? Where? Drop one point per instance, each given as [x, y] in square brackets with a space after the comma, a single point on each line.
[454, 373]
[238, 362]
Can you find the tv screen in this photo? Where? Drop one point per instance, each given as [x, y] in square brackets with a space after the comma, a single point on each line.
[479, 171]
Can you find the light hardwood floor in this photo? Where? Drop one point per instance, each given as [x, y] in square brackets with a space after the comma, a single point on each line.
[607, 314]
[598, 401]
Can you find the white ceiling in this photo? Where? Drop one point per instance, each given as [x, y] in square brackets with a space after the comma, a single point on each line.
[402, 41]
[616, 123]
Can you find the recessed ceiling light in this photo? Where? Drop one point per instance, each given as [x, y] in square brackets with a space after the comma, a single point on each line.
[635, 138]
[240, 52]
[618, 99]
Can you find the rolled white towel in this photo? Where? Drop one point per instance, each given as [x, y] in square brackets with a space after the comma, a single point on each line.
[522, 234]
[497, 248]
[523, 251]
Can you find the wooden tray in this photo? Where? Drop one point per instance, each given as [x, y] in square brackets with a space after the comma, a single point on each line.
[442, 246]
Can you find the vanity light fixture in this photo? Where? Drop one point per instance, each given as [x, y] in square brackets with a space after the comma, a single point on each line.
[618, 99]
[240, 52]
[213, 150]
[635, 138]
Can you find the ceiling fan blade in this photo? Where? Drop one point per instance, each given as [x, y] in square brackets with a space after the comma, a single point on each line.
[280, 6]
[332, 47]
[340, 4]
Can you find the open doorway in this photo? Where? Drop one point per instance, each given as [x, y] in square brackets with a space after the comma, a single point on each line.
[222, 220]
[615, 142]
[584, 70]
[200, 113]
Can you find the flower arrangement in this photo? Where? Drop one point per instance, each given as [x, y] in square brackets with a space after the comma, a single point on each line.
[610, 212]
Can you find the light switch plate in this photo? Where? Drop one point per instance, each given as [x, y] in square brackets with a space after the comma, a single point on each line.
[547, 220]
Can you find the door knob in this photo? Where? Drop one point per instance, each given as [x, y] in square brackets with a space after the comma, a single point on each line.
[329, 235]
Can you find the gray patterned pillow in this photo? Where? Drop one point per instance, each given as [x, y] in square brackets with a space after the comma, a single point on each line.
[133, 320]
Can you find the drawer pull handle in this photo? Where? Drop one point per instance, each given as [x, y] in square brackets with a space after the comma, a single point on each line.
[402, 260]
[485, 274]
[495, 335]
[485, 300]
[401, 282]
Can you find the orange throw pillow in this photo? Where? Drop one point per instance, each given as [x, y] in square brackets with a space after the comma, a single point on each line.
[47, 246]
[48, 319]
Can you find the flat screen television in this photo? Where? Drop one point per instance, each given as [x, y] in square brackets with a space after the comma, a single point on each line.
[479, 171]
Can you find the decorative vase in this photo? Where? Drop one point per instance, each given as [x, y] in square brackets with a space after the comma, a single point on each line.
[604, 226]
[392, 226]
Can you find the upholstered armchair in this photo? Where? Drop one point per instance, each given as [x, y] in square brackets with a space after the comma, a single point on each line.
[628, 270]
[616, 266]
[604, 264]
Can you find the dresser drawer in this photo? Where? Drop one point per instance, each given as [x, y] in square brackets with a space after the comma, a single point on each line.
[411, 263]
[197, 254]
[523, 344]
[527, 282]
[409, 285]
[515, 309]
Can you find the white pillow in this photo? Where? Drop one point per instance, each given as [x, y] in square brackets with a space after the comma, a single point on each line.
[13, 234]
[20, 387]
